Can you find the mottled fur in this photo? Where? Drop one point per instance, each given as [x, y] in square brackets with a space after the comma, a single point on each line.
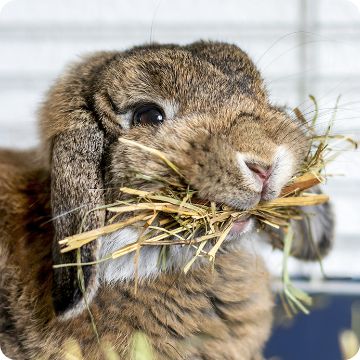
[218, 119]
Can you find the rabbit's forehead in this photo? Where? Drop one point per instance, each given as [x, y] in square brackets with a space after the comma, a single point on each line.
[188, 81]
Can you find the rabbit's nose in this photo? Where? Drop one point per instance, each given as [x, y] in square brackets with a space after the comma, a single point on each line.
[262, 172]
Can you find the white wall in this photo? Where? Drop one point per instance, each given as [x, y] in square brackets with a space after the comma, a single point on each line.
[302, 47]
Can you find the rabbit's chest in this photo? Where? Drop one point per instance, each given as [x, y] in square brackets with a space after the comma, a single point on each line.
[221, 313]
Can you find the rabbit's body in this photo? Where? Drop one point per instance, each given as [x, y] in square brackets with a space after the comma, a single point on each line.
[232, 146]
[219, 314]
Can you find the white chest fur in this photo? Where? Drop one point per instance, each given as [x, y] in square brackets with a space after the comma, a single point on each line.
[123, 268]
[147, 266]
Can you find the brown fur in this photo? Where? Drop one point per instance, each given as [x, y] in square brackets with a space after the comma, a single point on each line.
[221, 107]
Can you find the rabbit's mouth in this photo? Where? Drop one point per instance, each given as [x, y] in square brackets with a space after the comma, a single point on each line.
[241, 225]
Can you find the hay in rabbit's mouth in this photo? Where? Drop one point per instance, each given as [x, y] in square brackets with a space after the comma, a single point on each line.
[175, 216]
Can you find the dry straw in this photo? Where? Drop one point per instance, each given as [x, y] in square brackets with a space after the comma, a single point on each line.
[174, 216]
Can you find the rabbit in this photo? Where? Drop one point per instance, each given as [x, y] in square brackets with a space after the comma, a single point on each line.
[206, 107]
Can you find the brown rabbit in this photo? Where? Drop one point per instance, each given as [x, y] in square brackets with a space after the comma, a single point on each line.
[206, 107]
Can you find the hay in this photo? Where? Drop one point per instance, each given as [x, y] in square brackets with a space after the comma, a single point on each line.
[174, 216]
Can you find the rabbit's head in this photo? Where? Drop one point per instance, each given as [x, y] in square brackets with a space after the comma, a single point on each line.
[203, 105]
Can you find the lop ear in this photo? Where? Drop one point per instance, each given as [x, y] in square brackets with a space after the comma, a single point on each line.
[313, 235]
[76, 188]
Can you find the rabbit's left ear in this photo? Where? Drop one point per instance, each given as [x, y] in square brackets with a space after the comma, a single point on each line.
[76, 188]
[313, 234]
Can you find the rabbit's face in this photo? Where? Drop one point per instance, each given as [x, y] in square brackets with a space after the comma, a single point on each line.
[231, 147]
[204, 106]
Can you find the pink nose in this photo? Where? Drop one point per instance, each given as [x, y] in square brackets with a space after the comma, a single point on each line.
[262, 172]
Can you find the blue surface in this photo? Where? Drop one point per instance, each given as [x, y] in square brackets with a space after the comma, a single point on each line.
[314, 336]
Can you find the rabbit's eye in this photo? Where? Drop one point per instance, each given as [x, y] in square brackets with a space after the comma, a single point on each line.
[148, 115]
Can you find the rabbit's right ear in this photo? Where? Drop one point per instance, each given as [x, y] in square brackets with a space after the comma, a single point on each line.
[76, 188]
[72, 134]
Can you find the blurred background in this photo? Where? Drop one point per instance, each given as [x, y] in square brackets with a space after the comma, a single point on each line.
[302, 47]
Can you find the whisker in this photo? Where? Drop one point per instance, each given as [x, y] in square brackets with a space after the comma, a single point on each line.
[283, 37]
[153, 20]
[288, 50]
[67, 212]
